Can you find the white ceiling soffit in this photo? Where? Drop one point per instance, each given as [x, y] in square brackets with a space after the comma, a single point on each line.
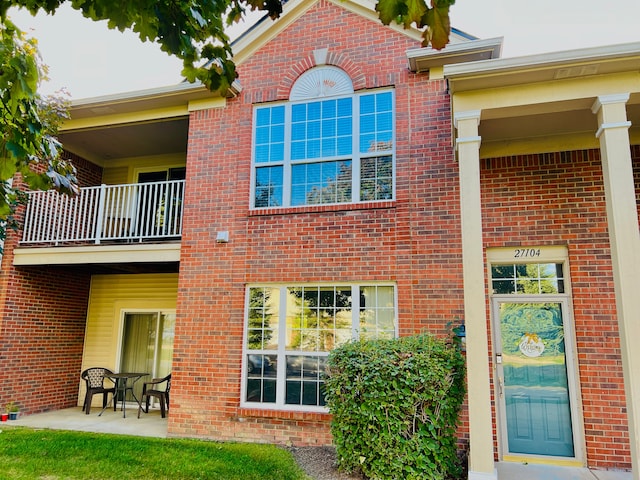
[423, 59]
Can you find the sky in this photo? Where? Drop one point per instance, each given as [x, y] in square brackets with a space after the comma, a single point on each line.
[89, 60]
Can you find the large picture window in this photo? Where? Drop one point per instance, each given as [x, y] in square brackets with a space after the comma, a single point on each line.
[290, 331]
[324, 151]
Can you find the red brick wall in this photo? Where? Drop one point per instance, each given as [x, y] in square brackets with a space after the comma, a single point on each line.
[635, 158]
[42, 336]
[413, 241]
[42, 321]
[88, 174]
[558, 199]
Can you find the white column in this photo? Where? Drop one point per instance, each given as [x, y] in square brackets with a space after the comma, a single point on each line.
[622, 217]
[481, 464]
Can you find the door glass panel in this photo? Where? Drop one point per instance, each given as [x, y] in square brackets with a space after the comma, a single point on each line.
[536, 393]
[138, 344]
[159, 205]
[164, 349]
[147, 345]
[148, 202]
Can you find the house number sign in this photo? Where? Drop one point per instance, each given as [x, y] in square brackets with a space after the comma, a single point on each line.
[522, 254]
[526, 253]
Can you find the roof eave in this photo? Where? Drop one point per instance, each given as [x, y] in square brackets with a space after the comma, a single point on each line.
[424, 59]
[180, 89]
[496, 72]
[170, 97]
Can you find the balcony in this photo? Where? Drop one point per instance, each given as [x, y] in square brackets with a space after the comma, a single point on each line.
[141, 212]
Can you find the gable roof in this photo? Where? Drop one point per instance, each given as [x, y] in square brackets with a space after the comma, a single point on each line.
[137, 120]
[265, 29]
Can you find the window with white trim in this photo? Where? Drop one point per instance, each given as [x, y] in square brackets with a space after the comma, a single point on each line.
[324, 149]
[527, 278]
[290, 330]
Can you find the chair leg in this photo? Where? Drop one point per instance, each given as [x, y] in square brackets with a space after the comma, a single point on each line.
[87, 403]
[162, 411]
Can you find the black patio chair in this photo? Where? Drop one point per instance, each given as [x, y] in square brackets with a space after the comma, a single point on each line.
[94, 379]
[151, 389]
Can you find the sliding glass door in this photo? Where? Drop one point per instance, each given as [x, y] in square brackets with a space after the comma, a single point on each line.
[147, 344]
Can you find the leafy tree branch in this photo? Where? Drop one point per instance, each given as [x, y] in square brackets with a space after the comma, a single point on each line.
[29, 123]
[192, 30]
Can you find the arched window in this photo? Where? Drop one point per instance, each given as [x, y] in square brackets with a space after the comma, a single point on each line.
[326, 145]
[320, 82]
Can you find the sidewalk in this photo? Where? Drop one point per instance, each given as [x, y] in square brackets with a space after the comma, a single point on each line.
[518, 471]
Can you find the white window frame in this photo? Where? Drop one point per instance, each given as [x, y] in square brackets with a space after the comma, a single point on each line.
[282, 352]
[355, 158]
[120, 338]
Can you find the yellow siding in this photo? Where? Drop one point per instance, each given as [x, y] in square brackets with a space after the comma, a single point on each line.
[525, 96]
[125, 170]
[115, 176]
[110, 296]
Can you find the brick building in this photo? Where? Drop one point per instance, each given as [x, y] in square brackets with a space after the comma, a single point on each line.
[350, 185]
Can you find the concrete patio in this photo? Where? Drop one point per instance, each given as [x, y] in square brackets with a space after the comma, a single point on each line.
[148, 425]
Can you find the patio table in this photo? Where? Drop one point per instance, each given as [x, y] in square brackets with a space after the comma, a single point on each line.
[124, 382]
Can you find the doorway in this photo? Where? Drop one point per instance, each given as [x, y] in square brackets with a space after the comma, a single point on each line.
[147, 344]
[159, 203]
[534, 367]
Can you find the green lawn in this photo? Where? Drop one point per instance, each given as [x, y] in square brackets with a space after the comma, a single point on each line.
[56, 455]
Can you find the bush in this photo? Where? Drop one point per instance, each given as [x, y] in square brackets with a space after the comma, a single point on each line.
[395, 406]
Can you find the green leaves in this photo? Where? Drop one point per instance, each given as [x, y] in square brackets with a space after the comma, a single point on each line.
[395, 406]
[439, 27]
[28, 124]
[434, 17]
[193, 30]
[404, 12]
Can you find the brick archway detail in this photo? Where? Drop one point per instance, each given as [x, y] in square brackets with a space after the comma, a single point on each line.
[333, 59]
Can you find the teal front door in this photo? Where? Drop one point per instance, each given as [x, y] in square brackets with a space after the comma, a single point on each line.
[533, 380]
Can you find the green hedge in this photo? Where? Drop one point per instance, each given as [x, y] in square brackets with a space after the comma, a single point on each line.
[395, 406]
